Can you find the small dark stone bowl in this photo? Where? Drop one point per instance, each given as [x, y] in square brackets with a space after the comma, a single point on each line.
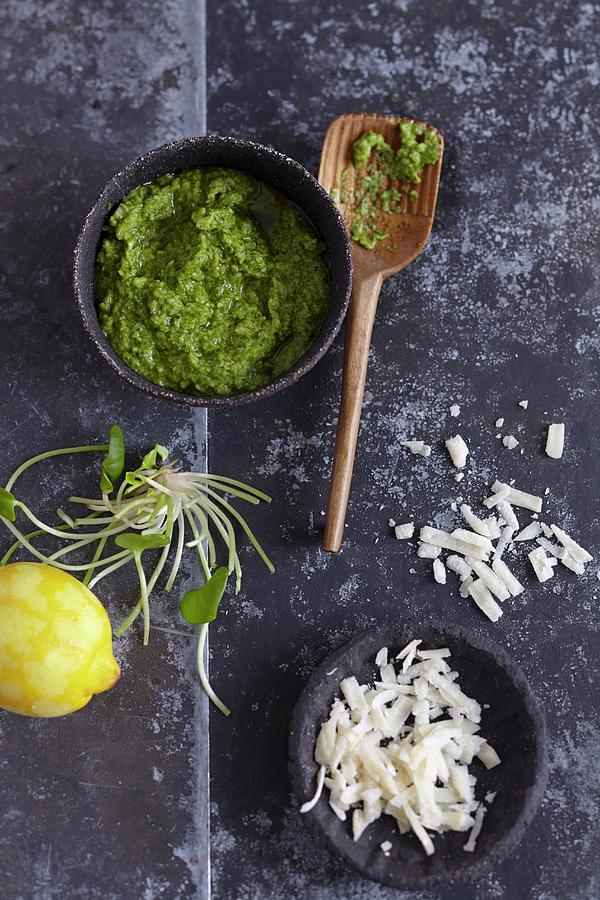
[513, 724]
[265, 164]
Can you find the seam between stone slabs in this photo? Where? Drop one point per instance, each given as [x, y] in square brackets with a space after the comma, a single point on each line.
[197, 13]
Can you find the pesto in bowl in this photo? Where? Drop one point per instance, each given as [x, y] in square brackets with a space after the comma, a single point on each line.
[209, 281]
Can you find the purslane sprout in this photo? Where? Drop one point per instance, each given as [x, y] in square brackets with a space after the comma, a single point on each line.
[154, 507]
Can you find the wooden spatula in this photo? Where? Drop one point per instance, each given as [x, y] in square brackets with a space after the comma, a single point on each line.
[408, 232]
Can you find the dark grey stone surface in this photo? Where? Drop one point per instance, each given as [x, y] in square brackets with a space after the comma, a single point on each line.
[502, 306]
[110, 802]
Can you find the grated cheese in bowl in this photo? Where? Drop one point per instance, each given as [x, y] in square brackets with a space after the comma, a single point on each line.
[402, 747]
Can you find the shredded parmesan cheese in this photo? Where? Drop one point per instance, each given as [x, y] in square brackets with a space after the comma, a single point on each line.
[518, 498]
[576, 551]
[502, 571]
[572, 564]
[381, 659]
[306, 807]
[488, 756]
[485, 540]
[474, 521]
[490, 579]
[465, 585]
[459, 566]
[555, 441]
[469, 847]
[439, 571]
[496, 498]
[428, 551]
[441, 653]
[409, 649]
[455, 410]
[505, 539]
[419, 448]
[449, 542]
[484, 600]
[554, 549]
[458, 451]
[541, 564]
[530, 532]
[470, 537]
[493, 527]
[507, 513]
[403, 747]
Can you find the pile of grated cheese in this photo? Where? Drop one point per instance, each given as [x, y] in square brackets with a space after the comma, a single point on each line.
[476, 551]
[403, 747]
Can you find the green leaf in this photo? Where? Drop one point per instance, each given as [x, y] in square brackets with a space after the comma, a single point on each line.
[200, 606]
[134, 479]
[114, 461]
[137, 543]
[149, 461]
[7, 505]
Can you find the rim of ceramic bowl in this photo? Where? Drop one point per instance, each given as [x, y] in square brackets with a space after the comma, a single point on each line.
[139, 171]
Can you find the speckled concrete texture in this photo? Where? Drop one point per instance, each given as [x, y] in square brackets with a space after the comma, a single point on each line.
[110, 802]
[502, 306]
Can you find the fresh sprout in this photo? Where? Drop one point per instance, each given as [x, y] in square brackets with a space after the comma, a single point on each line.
[200, 606]
[154, 507]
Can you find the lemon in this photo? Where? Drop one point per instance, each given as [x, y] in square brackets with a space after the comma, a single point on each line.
[55, 642]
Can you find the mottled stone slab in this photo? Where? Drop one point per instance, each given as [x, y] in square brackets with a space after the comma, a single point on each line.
[503, 306]
[112, 801]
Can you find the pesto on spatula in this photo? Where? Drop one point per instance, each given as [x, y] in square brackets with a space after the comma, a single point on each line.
[381, 173]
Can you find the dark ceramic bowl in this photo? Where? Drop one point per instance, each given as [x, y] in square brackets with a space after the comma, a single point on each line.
[263, 163]
[513, 724]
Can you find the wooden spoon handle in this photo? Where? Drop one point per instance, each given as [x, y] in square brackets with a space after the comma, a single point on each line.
[359, 326]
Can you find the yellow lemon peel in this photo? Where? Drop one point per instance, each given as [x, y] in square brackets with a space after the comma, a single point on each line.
[55, 642]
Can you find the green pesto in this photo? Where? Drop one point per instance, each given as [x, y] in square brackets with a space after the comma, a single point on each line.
[210, 282]
[365, 234]
[344, 184]
[362, 147]
[419, 147]
[389, 199]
